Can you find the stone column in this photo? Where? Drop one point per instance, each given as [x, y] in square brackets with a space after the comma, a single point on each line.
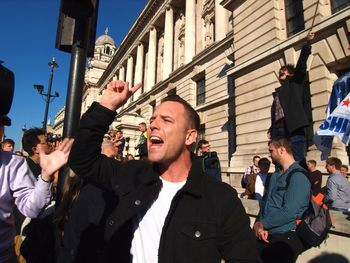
[121, 75]
[139, 68]
[130, 74]
[152, 58]
[168, 42]
[190, 30]
[221, 21]
[129, 70]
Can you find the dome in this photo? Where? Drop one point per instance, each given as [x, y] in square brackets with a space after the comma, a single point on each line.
[104, 39]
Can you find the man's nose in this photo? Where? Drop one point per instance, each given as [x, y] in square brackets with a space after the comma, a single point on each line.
[154, 124]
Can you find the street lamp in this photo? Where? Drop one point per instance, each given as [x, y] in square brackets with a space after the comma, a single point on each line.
[47, 96]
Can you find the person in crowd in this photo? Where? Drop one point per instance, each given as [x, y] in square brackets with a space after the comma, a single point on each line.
[81, 217]
[31, 140]
[108, 149]
[258, 183]
[210, 160]
[315, 177]
[284, 203]
[167, 208]
[8, 145]
[119, 143]
[288, 116]
[19, 188]
[337, 187]
[344, 169]
[252, 169]
[142, 144]
[203, 147]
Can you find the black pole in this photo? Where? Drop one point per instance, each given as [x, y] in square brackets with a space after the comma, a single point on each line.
[76, 34]
[75, 91]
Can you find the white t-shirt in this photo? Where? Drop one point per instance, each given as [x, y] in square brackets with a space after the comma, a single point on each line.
[260, 185]
[145, 243]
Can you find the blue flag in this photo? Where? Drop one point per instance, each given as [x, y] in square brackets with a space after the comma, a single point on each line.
[338, 117]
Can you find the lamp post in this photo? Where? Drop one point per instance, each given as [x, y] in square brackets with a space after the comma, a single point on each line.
[47, 96]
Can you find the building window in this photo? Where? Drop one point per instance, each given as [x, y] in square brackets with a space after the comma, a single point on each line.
[339, 5]
[200, 91]
[231, 118]
[294, 16]
[201, 132]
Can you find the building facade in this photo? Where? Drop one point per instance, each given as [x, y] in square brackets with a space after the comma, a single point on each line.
[223, 57]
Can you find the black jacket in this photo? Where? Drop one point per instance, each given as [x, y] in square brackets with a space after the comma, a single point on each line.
[291, 96]
[206, 220]
[83, 241]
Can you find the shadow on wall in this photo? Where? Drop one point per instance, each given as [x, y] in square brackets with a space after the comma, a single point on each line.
[329, 257]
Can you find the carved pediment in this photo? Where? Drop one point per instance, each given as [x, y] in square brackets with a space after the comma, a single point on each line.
[208, 9]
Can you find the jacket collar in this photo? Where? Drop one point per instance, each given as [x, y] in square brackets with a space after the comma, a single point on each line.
[194, 184]
[148, 174]
[195, 179]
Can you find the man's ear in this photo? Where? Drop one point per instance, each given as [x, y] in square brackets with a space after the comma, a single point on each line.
[281, 150]
[191, 137]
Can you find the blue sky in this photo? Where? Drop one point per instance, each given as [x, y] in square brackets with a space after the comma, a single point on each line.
[28, 35]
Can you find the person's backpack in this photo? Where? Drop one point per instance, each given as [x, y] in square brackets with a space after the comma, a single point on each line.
[211, 165]
[314, 225]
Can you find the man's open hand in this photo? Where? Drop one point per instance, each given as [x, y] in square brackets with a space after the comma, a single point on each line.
[50, 163]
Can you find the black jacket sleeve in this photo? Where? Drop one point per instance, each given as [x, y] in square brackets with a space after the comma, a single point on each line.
[85, 158]
[300, 68]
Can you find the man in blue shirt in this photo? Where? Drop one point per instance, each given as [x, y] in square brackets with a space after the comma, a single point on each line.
[283, 204]
[338, 187]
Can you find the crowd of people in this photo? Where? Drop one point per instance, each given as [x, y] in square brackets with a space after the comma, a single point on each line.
[168, 203]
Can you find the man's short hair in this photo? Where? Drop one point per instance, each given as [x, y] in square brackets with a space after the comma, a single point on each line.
[346, 167]
[192, 115]
[201, 143]
[264, 159]
[334, 161]
[30, 139]
[289, 67]
[143, 124]
[312, 161]
[279, 142]
[8, 141]
[256, 156]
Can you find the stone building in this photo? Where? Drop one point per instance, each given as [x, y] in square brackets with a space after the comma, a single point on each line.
[223, 57]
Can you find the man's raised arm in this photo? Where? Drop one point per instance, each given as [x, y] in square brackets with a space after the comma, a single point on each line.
[85, 158]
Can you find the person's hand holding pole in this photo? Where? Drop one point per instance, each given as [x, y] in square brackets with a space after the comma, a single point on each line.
[310, 35]
[117, 94]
